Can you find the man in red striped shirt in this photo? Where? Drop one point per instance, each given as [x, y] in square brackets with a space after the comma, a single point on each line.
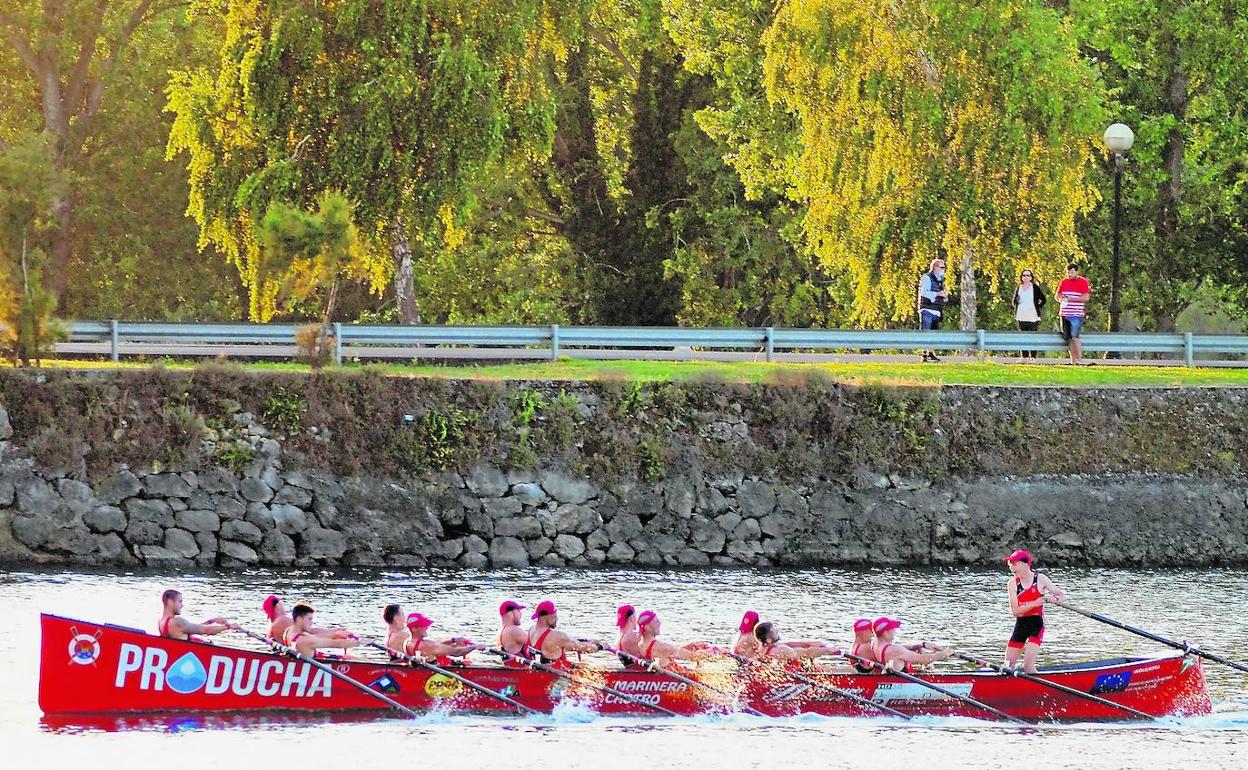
[1074, 292]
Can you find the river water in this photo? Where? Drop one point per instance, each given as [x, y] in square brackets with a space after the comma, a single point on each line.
[961, 605]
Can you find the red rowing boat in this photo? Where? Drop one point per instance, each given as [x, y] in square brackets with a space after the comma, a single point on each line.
[89, 668]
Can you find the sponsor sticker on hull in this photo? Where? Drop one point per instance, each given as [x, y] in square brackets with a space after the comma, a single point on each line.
[149, 669]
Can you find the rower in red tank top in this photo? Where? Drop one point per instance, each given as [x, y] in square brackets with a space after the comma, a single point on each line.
[511, 637]
[173, 626]
[864, 645]
[1028, 591]
[771, 648]
[626, 621]
[301, 636]
[549, 643]
[898, 656]
[660, 653]
[439, 652]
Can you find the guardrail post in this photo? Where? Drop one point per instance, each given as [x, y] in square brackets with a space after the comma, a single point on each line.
[554, 342]
[337, 343]
[770, 335]
[1187, 349]
[114, 341]
[980, 350]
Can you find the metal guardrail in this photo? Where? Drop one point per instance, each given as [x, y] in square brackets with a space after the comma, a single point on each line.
[118, 338]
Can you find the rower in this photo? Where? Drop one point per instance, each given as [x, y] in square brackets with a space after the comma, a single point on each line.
[304, 639]
[279, 620]
[511, 637]
[746, 645]
[418, 626]
[552, 645]
[898, 656]
[660, 653]
[770, 645]
[396, 630]
[1028, 592]
[630, 640]
[173, 626]
[864, 644]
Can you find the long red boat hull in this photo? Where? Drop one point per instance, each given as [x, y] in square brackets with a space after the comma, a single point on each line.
[88, 668]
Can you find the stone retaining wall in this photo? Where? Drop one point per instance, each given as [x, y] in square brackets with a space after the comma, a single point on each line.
[276, 510]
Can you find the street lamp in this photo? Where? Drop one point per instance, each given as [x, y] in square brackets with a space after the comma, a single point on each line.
[1118, 139]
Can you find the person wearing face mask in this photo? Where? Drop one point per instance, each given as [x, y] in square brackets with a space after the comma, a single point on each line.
[932, 300]
[1029, 301]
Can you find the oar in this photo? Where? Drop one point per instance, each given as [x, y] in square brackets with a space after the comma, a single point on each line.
[1184, 646]
[929, 685]
[1047, 683]
[846, 694]
[565, 675]
[288, 650]
[517, 705]
[652, 666]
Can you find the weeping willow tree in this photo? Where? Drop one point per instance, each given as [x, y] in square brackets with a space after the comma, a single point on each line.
[934, 128]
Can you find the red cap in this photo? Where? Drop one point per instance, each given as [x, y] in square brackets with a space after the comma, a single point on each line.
[270, 604]
[544, 607]
[645, 619]
[508, 606]
[885, 624]
[748, 621]
[416, 620]
[862, 624]
[1020, 555]
[623, 613]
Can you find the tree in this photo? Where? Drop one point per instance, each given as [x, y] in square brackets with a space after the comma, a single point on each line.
[72, 51]
[400, 105]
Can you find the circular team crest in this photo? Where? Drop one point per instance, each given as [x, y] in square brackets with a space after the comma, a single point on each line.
[84, 649]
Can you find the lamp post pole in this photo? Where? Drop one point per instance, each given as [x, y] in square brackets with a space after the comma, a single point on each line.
[1115, 280]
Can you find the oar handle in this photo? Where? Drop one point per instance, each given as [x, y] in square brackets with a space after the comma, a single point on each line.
[292, 651]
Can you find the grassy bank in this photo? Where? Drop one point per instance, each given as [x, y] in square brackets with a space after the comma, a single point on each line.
[1001, 374]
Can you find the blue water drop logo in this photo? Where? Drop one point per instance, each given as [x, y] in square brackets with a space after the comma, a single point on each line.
[186, 675]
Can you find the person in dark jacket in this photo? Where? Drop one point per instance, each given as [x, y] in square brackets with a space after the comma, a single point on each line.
[933, 296]
[1029, 301]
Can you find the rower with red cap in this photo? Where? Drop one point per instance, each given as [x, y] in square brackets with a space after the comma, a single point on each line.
[864, 645]
[747, 645]
[173, 626]
[770, 645]
[552, 645]
[301, 636]
[511, 637]
[418, 625]
[630, 639]
[1028, 592]
[898, 656]
[661, 653]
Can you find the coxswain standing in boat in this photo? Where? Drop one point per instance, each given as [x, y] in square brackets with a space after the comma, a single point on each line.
[902, 657]
[550, 644]
[661, 653]
[430, 649]
[1028, 592]
[630, 640]
[511, 636]
[303, 638]
[173, 626]
[770, 645]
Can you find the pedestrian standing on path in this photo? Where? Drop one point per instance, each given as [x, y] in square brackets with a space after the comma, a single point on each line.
[1074, 292]
[1029, 301]
[932, 299]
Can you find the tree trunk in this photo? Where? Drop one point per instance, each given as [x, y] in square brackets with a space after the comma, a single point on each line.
[404, 283]
[1166, 226]
[967, 300]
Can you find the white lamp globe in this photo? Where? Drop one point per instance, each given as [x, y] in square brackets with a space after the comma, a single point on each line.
[1119, 137]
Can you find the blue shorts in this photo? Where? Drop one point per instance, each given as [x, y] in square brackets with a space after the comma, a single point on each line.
[928, 321]
[1071, 328]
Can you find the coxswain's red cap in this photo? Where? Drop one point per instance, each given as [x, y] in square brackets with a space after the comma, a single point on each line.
[508, 606]
[1020, 555]
[645, 619]
[623, 613]
[270, 604]
[748, 621]
[416, 620]
[862, 624]
[544, 607]
[885, 624]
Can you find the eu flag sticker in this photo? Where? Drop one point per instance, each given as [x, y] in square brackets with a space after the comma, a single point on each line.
[1111, 682]
[385, 683]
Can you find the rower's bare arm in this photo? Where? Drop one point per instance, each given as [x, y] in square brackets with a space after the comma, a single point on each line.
[204, 629]
[1047, 586]
[450, 650]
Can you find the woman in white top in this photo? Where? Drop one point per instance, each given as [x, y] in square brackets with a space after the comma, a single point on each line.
[1029, 300]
